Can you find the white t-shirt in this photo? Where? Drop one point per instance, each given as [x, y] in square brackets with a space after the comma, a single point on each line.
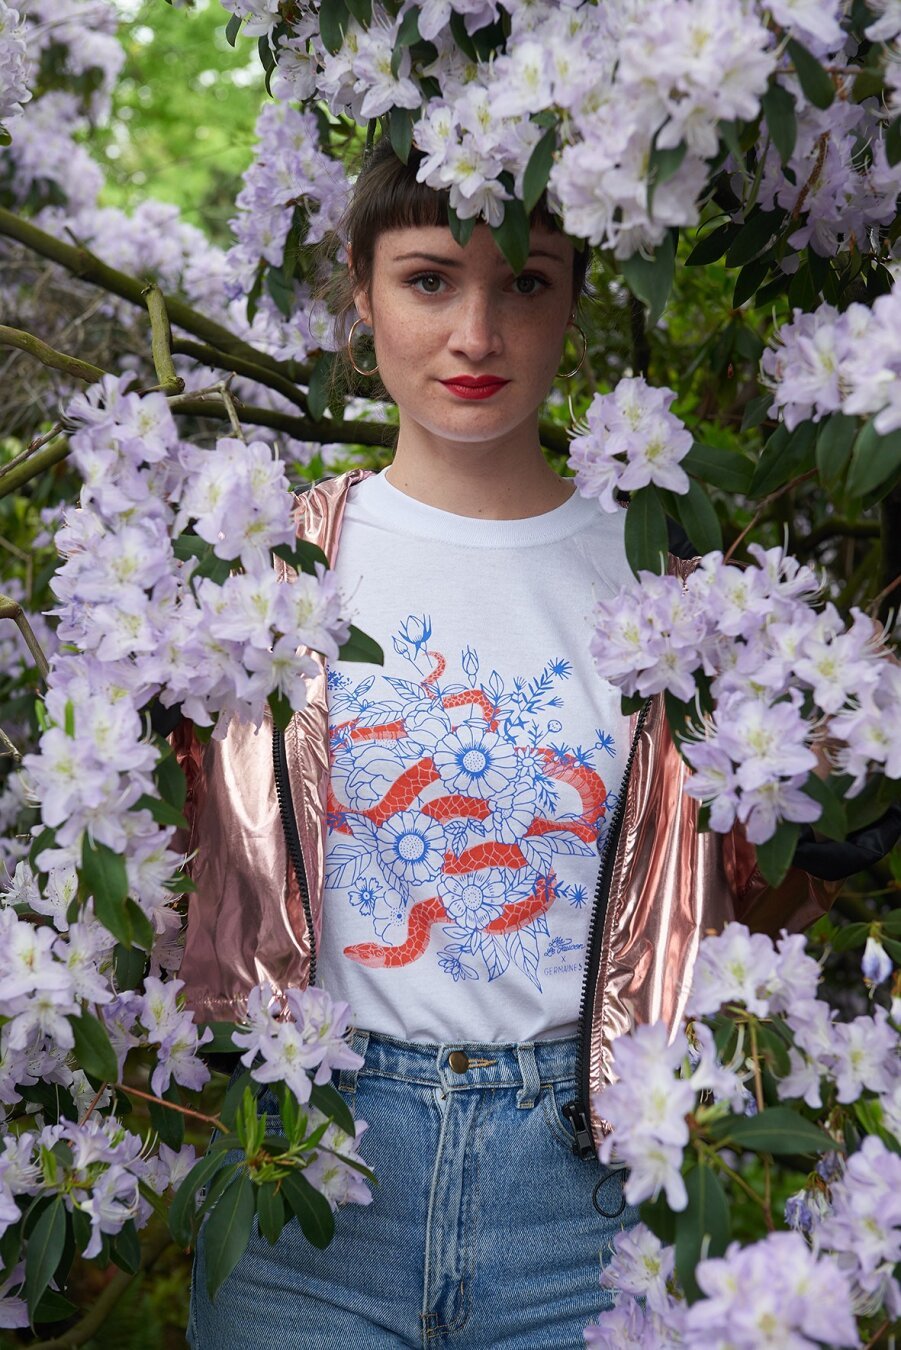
[474, 774]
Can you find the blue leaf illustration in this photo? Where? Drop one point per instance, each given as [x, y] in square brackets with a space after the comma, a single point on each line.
[345, 863]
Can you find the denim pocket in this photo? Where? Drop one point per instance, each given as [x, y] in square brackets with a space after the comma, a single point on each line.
[554, 1096]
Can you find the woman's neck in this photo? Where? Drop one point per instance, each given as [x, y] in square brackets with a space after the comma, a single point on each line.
[494, 483]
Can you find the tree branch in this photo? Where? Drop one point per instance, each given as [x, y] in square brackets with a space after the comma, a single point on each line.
[49, 356]
[11, 609]
[82, 263]
[837, 527]
[16, 475]
[161, 341]
[222, 361]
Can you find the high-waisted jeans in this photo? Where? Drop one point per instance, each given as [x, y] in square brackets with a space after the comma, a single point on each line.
[486, 1230]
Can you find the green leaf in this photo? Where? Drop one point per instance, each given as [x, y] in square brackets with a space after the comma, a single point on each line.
[461, 37]
[281, 710]
[815, 81]
[143, 931]
[233, 1098]
[221, 1043]
[181, 1211]
[651, 279]
[125, 1248]
[751, 276]
[874, 459]
[327, 1099]
[232, 29]
[756, 411]
[834, 442]
[538, 169]
[702, 1228]
[320, 383]
[333, 21]
[646, 537]
[833, 822]
[281, 290]
[785, 456]
[93, 1048]
[779, 110]
[162, 812]
[130, 964]
[713, 245]
[512, 235]
[461, 229]
[893, 142]
[774, 857]
[659, 1218]
[169, 1125]
[301, 555]
[227, 1231]
[43, 1250]
[777, 1129]
[361, 11]
[400, 129]
[103, 873]
[726, 469]
[52, 1307]
[664, 163]
[754, 236]
[170, 780]
[698, 519]
[408, 32]
[271, 1214]
[851, 936]
[361, 647]
[313, 1211]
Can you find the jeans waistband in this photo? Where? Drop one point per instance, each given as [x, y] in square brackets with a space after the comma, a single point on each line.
[461, 1066]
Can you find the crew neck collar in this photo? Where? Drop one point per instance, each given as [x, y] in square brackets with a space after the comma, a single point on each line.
[408, 515]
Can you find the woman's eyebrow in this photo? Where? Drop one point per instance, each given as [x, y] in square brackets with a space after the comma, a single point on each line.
[457, 262]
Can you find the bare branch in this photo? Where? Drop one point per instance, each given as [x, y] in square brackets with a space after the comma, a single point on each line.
[11, 609]
[161, 341]
[49, 356]
[12, 477]
[222, 361]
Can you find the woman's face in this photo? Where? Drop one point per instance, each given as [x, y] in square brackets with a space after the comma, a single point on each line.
[442, 313]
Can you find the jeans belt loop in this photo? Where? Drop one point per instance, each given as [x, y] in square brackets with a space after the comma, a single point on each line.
[347, 1078]
[527, 1095]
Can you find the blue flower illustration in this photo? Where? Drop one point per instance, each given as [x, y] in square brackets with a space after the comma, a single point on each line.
[416, 631]
[605, 741]
[475, 762]
[577, 896]
[449, 961]
[473, 900]
[366, 895]
[412, 846]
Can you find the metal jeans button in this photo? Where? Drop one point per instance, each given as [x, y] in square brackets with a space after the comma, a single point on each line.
[458, 1061]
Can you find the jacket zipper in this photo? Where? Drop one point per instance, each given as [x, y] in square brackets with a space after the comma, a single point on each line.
[292, 837]
[578, 1111]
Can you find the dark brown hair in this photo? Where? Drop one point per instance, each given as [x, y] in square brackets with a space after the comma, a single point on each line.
[387, 196]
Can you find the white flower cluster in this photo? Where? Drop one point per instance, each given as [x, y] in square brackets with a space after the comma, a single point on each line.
[299, 1038]
[846, 361]
[629, 438]
[96, 1168]
[851, 1212]
[773, 1292]
[775, 665]
[14, 89]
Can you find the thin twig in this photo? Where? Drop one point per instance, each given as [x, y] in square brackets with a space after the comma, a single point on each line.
[8, 747]
[886, 590]
[93, 1102]
[49, 356]
[161, 341]
[33, 447]
[171, 1106]
[11, 609]
[234, 419]
[768, 501]
[249, 369]
[11, 479]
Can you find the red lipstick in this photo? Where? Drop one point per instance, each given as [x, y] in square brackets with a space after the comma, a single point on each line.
[474, 386]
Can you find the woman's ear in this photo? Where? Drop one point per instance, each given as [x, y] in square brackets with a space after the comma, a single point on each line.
[361, 297]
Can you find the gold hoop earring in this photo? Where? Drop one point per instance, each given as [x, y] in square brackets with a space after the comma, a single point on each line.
[569, 373]
[350, 351]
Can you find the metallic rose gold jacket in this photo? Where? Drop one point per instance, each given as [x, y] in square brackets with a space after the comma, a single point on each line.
[670, 884]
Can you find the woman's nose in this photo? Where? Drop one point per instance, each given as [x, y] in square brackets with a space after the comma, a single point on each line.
[476, 334]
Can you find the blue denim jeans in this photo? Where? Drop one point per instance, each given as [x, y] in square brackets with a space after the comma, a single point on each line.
[485, 1231]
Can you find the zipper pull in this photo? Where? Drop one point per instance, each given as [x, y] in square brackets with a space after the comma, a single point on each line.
[578, 1118]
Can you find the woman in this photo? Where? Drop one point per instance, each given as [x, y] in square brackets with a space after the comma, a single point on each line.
[471, 845]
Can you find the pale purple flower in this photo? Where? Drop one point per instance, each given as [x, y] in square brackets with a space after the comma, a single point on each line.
[876, 964]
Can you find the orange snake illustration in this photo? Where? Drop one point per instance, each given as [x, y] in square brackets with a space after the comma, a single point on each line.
[420, 775]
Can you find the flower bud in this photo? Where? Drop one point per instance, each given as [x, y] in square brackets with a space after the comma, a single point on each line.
[876, 964]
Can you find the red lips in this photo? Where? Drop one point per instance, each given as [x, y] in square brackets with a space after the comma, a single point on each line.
[474, 386]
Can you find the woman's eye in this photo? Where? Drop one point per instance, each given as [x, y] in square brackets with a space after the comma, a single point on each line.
[428, 282]
[528, 285]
